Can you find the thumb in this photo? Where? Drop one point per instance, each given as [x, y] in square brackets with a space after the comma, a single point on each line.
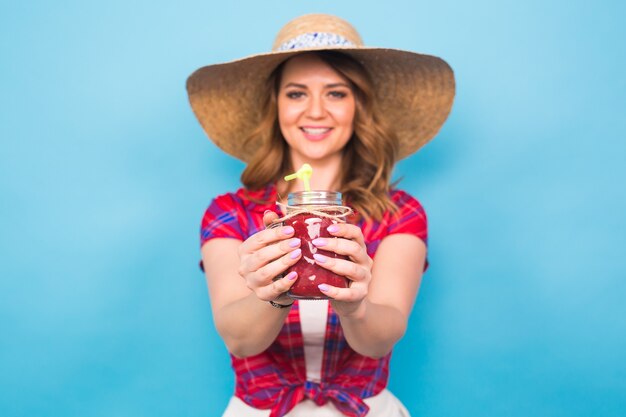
[269, 217]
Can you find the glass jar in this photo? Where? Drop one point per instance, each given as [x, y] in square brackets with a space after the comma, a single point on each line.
[311, 214]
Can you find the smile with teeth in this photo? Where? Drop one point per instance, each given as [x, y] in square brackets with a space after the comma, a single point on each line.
[315, 130]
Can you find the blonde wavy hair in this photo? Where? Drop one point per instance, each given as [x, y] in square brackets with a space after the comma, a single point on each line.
[373, 147]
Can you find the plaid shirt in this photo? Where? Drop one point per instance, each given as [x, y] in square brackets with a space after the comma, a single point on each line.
[276, 378]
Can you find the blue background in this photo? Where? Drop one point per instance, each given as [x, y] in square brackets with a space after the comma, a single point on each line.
[105, 173]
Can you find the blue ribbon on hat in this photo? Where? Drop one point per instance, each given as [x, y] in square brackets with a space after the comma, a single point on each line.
[315, 40]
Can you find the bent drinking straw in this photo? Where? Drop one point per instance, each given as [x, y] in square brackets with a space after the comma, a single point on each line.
[304, 174]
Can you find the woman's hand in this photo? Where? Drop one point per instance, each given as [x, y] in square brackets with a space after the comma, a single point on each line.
[265, 255]
[348, 241]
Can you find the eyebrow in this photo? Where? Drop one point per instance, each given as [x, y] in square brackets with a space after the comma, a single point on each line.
[334, 85]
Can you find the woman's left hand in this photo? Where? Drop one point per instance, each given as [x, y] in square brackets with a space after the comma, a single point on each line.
[348, 241]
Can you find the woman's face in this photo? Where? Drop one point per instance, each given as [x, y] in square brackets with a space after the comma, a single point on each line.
[315, 109]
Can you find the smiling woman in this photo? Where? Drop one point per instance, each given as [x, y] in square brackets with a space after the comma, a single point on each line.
[346, 98]
[350, 112]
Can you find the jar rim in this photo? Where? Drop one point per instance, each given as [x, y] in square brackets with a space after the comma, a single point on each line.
[315, 197]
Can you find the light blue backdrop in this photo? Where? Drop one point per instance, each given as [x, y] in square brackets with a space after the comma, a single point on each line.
[105, 173]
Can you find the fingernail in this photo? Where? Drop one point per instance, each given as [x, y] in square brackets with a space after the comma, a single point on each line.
[320, 258]
[267, 211]
[288, 230]
[294, 243]
[323, 287]
[292, 275]
[319, 242]
[333, 228]
[295, 253]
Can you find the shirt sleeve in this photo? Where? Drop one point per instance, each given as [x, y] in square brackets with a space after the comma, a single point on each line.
[409, 218]
[222, 219]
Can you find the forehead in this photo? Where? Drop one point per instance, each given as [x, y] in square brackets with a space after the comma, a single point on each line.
[309, 68]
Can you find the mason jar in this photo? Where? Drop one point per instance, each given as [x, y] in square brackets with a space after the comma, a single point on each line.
[310, 213]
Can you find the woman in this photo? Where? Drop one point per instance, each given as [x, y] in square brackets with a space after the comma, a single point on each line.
[350, 112]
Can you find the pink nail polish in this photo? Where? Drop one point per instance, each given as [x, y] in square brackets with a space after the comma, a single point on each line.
[294, 243]
[288, 230]
[319, 242]
[292, 275]
[295, 253]
[333, 228]
[320, 258]
[323, 287]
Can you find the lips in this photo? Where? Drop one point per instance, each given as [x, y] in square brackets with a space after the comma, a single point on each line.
[316, 133]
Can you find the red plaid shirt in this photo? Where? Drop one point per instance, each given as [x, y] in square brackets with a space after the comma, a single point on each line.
[276, 379]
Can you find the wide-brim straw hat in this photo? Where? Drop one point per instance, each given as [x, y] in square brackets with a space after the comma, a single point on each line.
[414, 91]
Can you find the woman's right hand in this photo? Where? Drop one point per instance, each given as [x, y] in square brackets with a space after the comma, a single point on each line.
[265, 255]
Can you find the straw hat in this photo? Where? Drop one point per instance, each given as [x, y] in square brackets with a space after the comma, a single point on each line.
[415, 91]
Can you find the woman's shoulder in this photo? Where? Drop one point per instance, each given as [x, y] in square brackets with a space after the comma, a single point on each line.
[403, 199]
[245, 199]
[236, 214]
[407, 217]
[409, 213]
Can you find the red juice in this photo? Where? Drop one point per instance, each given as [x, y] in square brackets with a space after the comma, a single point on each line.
[308, 226]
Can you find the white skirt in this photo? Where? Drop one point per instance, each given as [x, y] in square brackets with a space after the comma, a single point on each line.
[385, 404]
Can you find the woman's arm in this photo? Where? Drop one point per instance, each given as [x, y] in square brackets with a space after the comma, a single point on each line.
[374, 311]
[240, 282]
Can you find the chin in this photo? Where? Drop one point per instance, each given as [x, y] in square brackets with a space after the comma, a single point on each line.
[317, 156]
[316, 153]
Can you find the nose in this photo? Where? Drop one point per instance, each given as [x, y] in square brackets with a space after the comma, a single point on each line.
[315, 108]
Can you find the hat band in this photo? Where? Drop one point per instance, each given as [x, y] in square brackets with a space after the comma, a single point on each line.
[315, 40]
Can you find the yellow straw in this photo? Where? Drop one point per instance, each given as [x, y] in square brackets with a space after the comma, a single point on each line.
[304, 173]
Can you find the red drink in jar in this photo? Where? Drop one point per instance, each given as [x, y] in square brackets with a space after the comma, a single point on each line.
[309, 225]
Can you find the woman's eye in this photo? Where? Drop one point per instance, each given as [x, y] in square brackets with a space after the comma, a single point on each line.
[338, 94]
[294, 94]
